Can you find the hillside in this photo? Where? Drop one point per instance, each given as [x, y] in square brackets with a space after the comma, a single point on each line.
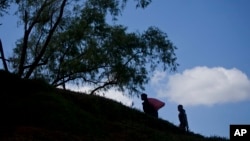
[31, 110]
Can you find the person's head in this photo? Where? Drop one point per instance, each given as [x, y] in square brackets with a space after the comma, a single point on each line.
[180, 107]
[143, 96]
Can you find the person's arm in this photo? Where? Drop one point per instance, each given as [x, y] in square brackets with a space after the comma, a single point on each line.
[143, 107]
[186, 120]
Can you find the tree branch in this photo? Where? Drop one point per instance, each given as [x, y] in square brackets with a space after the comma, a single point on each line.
[38, 58]
[26, 37]
[103, 86]
[40, 64]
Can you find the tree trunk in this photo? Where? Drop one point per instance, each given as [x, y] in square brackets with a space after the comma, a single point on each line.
[3, 58]
[52, 30]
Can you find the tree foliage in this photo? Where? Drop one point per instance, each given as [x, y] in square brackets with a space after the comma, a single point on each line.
[70, 41]
[4, 4]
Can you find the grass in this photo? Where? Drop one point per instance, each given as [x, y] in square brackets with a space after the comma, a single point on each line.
[31, 110]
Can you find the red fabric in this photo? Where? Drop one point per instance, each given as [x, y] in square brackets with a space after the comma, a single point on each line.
[157, 104]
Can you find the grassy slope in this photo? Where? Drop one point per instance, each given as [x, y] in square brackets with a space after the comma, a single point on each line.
[31, 110]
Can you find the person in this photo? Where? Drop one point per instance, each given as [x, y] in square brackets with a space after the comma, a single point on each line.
[147, 107]
[183, 118]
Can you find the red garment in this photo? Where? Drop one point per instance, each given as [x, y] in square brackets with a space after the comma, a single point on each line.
[157, 104]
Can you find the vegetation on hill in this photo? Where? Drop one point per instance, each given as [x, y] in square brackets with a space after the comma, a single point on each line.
[31, 110]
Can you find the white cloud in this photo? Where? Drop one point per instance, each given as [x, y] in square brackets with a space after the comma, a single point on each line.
[118, 96]
[157, 77]
[206, 86]
[111, 94]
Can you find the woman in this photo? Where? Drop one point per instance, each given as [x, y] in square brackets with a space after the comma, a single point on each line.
[182, 118]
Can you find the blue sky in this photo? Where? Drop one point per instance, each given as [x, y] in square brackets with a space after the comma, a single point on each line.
[213, 79]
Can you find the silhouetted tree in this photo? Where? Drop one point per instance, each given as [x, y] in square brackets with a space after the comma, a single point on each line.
[70, 41]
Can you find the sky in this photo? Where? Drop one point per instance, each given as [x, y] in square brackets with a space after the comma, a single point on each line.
[213, 79]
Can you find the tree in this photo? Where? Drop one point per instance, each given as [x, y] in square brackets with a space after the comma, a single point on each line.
[70, 41]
